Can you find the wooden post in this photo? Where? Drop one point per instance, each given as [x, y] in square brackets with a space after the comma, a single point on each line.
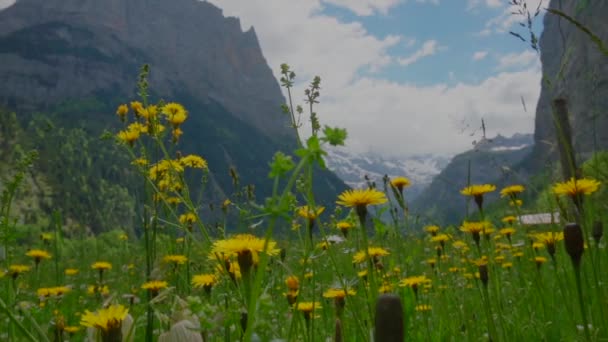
[563, 132]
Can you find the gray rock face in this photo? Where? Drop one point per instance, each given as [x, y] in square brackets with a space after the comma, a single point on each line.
[583, 80]
[98, 44]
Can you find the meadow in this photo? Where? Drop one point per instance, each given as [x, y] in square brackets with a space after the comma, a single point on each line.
[304, 272]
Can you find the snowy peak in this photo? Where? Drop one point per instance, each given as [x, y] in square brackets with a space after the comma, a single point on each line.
[353, 168]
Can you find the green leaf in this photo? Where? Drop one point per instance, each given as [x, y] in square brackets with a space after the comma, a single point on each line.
[334, 136]
[280, 165]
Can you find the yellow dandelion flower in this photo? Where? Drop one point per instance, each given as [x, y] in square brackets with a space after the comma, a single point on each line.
[46, 237]
[507, 231]
[103, 289]
[155, 285]
[423, 308]
[244, 243]
[193, 161]
[338, 293]
[187, 218]
[323, 245]
[204, 280]
[176, 113]
[511, 190]
[374, 253]
[140, 162]
[122, 111]
[507, 265]
[361, 197]
[308, 307]
[292, 282]
[137, 127]
[101, 266]
[509, 219]
[38, 255]
[441, 238]
[539, 260]
[70, 329]
[128, 136]
[477, 189]
[308, 213]
[175, 259]
[431, 229]
[414, 281]
[400, 183]
[575, 187]
[516, 203]
[105, 320]
[385, 288]
[344, 227]
[137, 107]
[71, 271]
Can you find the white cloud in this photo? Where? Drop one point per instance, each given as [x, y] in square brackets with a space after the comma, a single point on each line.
[429, 48]
[295, 32]
[479, 55]
[472, 4]
[380, 115]
[6, 3]
[365, 7]
[396, 119]
[509, 17]
[518, 60]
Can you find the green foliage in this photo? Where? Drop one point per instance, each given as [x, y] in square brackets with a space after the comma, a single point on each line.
[334, 136]
[281, 164]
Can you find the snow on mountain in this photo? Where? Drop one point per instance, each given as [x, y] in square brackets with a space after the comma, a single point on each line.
[353, 168]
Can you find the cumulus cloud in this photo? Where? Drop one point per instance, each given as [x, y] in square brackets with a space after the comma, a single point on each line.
[365, 7]
[402, 119]
[381, 115]
[518, 60]
[510, 17]
[471, 4]
[479, 55]
[429, 48]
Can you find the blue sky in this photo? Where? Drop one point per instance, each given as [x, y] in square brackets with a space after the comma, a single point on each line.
[404, 77]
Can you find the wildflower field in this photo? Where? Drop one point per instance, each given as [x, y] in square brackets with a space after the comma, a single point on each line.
[304, 272]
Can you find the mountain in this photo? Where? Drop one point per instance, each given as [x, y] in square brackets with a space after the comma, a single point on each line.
[491, 161]
[574, 68]
[75, 61]
[353, 168]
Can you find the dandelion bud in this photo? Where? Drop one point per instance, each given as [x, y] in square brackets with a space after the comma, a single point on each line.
[244, 319]
[389, 319]
[575, 244]
[483, 274]
[598, 231]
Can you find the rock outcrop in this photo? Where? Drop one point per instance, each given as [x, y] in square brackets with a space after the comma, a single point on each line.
[57, 49]
[575, 69]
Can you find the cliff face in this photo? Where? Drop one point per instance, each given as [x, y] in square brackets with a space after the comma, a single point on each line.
[57, 49]
[583, 80]
[75, 61]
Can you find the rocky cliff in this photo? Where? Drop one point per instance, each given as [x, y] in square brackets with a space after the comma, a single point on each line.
[75, 61]
[58, 49]
[574, 68]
